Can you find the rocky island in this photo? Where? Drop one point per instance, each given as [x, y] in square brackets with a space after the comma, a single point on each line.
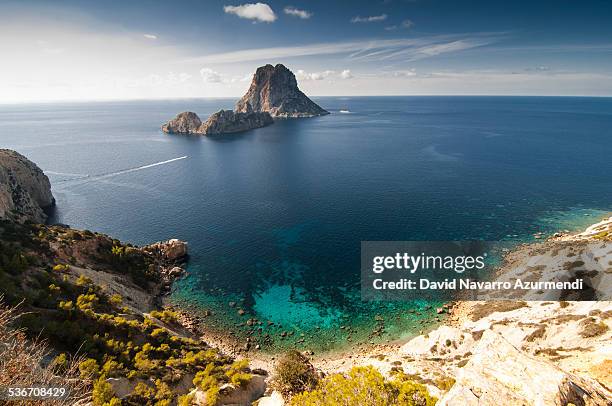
[273, 93]
[274, 90]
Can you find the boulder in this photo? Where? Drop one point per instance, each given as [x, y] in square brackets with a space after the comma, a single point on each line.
[274, 90]
[234, 395]
[186, 122]
[499, 372]
[445, 342]
[25, 191]
[227, 121]
[275, 399]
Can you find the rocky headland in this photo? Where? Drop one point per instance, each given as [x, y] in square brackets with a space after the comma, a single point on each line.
[25, 191]
[273, 93]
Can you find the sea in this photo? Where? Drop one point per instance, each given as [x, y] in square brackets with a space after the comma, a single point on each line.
[274, 217]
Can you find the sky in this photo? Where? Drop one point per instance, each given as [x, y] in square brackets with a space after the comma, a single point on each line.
[80, 50]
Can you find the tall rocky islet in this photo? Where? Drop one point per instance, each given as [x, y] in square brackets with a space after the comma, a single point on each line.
[273, 93]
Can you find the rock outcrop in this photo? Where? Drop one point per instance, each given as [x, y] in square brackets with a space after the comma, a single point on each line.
[169, 251]
[273, 93]
[24, 189]
[500, 372]
[227, 121]
[186, 122]
[274, 90]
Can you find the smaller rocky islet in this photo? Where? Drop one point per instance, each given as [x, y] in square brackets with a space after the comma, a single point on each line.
[273, 93]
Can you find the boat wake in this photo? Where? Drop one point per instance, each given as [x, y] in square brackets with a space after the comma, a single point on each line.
[78, 177]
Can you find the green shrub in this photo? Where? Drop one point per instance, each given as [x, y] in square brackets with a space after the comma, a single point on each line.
[294, 374]
[364, 386]
[102, 393]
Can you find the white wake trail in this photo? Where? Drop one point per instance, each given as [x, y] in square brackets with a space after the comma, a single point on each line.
[88, 178]
[139, 168]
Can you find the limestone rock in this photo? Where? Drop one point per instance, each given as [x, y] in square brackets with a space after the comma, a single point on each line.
[227, 121]
[275, 399]
[234, 395]
[274, 90]
[24, 189]
[171, 250]
[186, 122]
[499, 372]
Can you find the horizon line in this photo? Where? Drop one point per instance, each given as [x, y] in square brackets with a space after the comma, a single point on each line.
[60, 101]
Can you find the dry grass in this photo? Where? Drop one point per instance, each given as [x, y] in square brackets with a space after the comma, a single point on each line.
[22, 364]
[592, 328]
[482, 310]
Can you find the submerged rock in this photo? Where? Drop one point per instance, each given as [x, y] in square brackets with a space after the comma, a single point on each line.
[186, 122]
[24, 189]
[274, 90]
[227, 121]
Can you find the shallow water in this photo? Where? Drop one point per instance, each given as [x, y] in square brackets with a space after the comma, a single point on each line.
[274, 217]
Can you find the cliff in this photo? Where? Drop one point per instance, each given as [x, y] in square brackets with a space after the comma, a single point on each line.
[24, 189]
[221, 122]
[274, 90]
[186, 122]
[227, 121]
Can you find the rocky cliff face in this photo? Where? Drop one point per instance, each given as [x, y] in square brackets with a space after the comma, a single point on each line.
[274, 90]
[184, 123]
[221, 122]
[24, 189]
[227, 121]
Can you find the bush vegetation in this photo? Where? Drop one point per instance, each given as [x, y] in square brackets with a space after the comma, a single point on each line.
[365, 386]
[75, 316]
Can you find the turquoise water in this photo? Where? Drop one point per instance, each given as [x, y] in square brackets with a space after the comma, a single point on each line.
[274, 217]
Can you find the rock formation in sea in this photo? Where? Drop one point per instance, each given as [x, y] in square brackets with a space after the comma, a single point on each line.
[24, 189]
[274, 89]
[228, 121]
[221, 122]
[186, 122]
[273, 93]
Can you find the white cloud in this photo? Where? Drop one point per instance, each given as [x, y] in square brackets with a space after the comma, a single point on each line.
[210, 76]
[150, 36]
[326, 74]
[370, 19]
[302, 75]
[253, 11]
[346, 74]
[403, 73]
[296, 12]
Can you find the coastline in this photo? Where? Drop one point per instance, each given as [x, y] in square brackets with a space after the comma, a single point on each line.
[456, 315]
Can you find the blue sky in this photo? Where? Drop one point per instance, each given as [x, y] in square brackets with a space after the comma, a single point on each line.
[90, 50]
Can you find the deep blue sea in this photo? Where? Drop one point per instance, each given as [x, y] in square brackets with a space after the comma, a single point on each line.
[274, 217]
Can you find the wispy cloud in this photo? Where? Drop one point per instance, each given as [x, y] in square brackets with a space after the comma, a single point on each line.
[391, 49]
[370, 19]
[327, 74]
[296, 12]
[252, 11]
[404, 24]
[150, 36]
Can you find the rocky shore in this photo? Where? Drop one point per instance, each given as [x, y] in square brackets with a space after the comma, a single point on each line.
[527, 352]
